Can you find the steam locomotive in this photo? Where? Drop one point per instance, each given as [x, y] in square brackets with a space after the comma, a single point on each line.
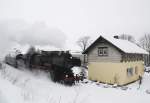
[57, 63]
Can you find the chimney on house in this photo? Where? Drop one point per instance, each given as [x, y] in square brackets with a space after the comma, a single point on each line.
[116, 37]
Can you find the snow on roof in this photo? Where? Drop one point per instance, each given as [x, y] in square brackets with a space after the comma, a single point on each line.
[124, 45]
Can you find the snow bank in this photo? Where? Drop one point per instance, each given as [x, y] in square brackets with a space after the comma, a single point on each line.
[9, 93]
[26, 87]
[17, 86]
[2, 98]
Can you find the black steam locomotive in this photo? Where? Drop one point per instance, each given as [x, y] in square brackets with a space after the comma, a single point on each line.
[57, 63]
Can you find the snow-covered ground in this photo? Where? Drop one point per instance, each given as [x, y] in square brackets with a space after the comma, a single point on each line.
[22, 86]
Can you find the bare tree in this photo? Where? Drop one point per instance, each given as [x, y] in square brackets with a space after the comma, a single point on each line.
[127, 37]
[83, 43]
[145, 44]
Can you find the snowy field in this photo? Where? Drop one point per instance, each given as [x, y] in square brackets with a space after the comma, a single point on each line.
[22, 86]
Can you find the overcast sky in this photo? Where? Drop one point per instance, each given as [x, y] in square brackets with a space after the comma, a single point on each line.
[75, 18]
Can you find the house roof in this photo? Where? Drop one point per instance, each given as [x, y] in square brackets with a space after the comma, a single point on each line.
[123, 45]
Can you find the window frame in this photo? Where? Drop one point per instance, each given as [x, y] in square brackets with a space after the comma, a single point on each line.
[103, 50]
[130, 72]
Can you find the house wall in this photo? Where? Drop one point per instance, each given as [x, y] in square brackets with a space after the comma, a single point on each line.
[109, 72]
[113, 54]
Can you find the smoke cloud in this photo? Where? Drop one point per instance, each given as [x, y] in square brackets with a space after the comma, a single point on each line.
[14, 32]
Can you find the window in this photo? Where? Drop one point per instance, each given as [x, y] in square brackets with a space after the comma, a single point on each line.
[102, 51]
[130, 72]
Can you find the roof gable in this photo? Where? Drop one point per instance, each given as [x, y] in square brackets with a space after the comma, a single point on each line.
[122, 45]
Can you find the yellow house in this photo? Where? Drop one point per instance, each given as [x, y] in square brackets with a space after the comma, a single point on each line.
[114, 61]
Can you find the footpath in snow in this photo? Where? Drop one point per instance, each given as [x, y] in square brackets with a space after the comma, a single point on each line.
[22, 86]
